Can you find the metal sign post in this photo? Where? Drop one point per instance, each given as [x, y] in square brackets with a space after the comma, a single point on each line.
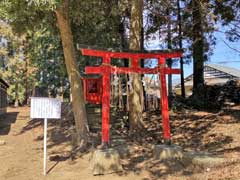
[46, 108]
[45, 147]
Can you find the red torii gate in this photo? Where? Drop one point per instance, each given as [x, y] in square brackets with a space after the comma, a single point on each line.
[106, 69]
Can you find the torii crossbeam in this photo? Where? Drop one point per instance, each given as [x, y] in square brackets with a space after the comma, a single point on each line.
[105, 69]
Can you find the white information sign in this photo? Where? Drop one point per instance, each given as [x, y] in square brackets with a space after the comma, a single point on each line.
[49, 108]
[46, 108]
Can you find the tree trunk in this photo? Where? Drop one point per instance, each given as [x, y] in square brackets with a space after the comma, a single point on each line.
[128, 94]
[180, 46]
[125, 64]
[136, 95]
[142, 76]
[16, 103]
[60, 92]
[120, 96]
[78, 103]
[169, 61]
[26, 81]
[198, 49]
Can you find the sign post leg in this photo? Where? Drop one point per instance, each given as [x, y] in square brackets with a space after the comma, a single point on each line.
[45, 147]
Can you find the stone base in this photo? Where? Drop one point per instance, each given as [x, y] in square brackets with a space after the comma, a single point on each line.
[173, 152]
[204, 160]
[106, 161]
[167, 152]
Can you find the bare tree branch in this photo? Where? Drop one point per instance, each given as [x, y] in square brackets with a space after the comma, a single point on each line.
[237, 50]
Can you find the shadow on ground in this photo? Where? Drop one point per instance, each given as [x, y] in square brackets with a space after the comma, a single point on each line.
[190, 129]
[6, 120]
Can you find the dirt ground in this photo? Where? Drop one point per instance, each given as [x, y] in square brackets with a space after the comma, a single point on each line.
[21, 158]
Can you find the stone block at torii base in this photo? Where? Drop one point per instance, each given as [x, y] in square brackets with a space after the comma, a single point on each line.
[176, 153]
[167, 152]
[106, 161]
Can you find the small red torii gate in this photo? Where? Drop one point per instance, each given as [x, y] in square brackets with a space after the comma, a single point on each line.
[106, 69]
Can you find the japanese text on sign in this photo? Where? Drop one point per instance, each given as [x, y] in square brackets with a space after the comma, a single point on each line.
[49, 108]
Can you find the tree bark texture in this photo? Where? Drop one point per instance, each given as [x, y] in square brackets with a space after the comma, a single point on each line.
[136, 94]
[78, 103]
[181, 46]
[198, 47]
[16, 103]
[169, 45]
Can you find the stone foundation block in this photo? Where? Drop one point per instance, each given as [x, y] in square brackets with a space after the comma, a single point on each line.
[105, 161]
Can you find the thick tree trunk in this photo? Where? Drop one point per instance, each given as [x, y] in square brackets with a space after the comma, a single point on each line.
[180, 46]
[78, 103]
[198, 49]
[136, 94]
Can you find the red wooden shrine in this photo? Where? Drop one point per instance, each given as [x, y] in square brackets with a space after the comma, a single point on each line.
[92, 90]
[106, 69]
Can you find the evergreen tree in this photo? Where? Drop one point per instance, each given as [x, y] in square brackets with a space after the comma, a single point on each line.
[32, 15]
